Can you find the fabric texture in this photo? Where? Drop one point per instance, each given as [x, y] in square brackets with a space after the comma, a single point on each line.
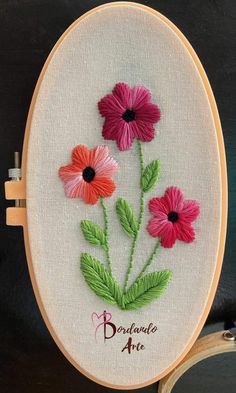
[122, 44]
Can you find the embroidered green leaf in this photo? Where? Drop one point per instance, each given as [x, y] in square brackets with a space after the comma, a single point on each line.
[93, 233]
[146, 289]
[100, 280]
[150, 175]
[126, 216]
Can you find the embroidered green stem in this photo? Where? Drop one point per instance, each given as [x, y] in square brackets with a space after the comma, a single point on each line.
[140, 217]
[107, 250]
[150, 260]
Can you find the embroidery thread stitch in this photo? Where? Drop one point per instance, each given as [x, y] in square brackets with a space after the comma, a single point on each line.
[173, 217]
[129, 115]
[88, 177]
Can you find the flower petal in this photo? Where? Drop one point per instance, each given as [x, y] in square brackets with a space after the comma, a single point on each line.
[164, 229]
[98, 154]
[112, 127]
[168, 238]
[111, 106]
[104, 165]
[89, 194]
[81, 156]
[125, 138]
[140, 96]
[174, 198]
[70, 172]
[72, 180]
[190, 211]
[156, 226]
[149, 113]
[123, 94]
[120, 131]
[103, 186]
[184, 232]
[143, 131]
[157, 205]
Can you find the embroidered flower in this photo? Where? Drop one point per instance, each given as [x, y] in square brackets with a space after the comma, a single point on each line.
[88, 177]
[128, 114]
[173, 216]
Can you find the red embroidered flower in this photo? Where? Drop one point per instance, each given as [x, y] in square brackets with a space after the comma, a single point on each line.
[88, 175]
[128, 114]
[173, 216]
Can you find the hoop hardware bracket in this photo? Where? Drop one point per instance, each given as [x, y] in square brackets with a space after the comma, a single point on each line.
[15, 190]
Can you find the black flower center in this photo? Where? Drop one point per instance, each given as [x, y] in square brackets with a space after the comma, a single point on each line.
[128, 115]
[173, 216]
[88, 174]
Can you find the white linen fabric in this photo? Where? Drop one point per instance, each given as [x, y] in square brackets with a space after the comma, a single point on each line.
[122, 44]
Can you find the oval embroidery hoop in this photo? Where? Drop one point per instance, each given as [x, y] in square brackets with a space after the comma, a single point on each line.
[16, 190]
[205, 347]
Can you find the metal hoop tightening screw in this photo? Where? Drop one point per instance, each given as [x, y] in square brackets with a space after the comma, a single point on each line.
[230, 335]
[15, 173]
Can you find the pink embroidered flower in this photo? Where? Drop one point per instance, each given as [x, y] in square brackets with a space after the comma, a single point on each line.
[173, 216]
[88, 177]
[128, 114]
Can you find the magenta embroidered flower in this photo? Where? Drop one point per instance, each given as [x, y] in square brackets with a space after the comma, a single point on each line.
[88, 177]
[173, 216]
[128, 114]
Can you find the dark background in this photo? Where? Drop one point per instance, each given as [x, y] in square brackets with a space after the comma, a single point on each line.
[30, 362]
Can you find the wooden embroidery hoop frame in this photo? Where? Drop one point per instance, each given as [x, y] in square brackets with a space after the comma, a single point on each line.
[16, 190]
[204, 348]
